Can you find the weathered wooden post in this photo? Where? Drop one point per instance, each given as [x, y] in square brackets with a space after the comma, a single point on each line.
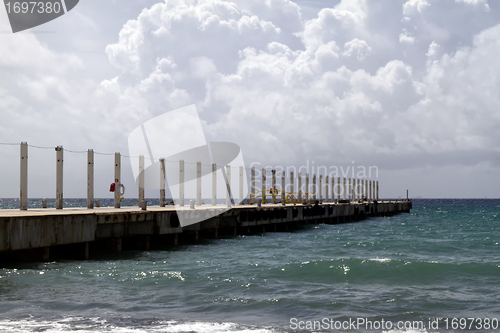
[370, 189]
[214, 184]
[353, 189]
[361, 189]
[162, 182]
[23, 197]
[327, 179]
[299, 184]
[367, 194]
[291, 184]
[117, 179]
[320, 188]
[377, 190]
[198, 183]
[181, 183]
[90, 179]
[349, 189]
[228, 189]
[345, 188]
[264, 185]
[282, 187]
[356, 193]
[333, 188]
[307, 187]
[252, 185]
[241, 184]
[314, 188]
[339, 188]
[141, 181]
[59, 177]
[273, 185]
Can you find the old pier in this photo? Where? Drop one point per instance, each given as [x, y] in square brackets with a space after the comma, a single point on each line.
[47, 233]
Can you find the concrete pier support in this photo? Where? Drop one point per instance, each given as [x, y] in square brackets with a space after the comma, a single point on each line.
[118, 165]
[42, 254]
[143, 243]
[214, 184]
[198, 183]
[84, 251]
[273, 185]
[141, 181]
[252, 185]
[162, 182]
[241, 184]
[181, 183]
[228, 186]
[114, 244]
[23, 196]
[59, 177]
[90, 179]
[263, 186]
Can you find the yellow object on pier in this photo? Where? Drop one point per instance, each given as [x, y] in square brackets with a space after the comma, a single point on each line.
[276, 195]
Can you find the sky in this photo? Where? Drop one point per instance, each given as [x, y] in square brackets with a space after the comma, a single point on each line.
[410, 87]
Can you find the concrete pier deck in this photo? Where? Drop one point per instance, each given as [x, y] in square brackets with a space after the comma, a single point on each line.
[41, 230]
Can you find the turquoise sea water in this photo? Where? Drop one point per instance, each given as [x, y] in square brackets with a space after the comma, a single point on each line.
[440, 261]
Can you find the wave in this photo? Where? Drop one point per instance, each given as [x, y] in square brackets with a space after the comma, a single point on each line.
[88, 325]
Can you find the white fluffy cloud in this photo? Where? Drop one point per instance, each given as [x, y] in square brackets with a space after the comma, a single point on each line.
[483, 3]
[395, 86]
[411, 6]
[297, 101]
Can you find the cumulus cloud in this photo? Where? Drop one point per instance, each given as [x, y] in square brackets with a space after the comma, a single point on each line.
[357, 47]
[405, 37]
[336, 87]
[483, 3]
[433, 50]
[289, 95]
[413, 6]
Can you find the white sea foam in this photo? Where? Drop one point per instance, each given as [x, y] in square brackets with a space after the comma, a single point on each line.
[380, 259]
[89, 325]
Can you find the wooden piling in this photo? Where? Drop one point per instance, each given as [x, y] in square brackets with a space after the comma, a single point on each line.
[90, 179]
[23, 196]
[59, 177]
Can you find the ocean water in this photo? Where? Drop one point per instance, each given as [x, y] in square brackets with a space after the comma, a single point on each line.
[441, 261]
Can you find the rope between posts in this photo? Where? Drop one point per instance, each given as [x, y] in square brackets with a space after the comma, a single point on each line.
[126, 156]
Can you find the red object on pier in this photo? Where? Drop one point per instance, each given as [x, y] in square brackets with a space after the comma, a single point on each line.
[112, 187]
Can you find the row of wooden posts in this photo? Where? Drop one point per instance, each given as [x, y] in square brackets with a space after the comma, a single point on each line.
[349, 189]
